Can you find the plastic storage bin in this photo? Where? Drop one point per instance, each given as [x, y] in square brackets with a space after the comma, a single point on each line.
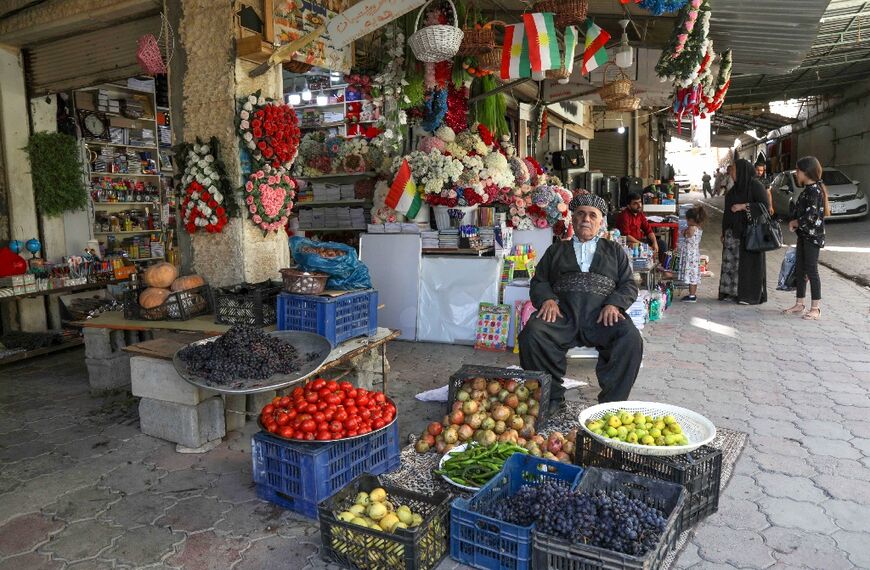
[486, 542]
[353, 546]
[552, 553]
[470, 371]
[337, 318]
[251, 304]
[298, 476]
[700, 472]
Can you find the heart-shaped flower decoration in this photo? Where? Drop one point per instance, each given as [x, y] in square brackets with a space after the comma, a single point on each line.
[269, 194]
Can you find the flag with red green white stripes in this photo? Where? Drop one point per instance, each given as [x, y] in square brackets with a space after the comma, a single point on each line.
[594, 53]
[543, 44]
[515, 53]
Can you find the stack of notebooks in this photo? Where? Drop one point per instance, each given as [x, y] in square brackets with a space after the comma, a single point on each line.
[487, 237]
[448, 239]
[346, 192]
[357, 218]
[430, 239]
[324, 192]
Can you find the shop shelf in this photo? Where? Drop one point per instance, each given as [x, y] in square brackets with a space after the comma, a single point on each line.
[337, 318]
[130, 232]
[417, 548]
[333, 202]
[470, 371]
[297, 476]
[552, 553]
[121, 175]
[149, 203]
[485, 542]
[139, 147]
[337, 175]
[700, 472]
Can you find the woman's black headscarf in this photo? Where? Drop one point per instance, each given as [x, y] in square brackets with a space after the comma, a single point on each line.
[745, 174]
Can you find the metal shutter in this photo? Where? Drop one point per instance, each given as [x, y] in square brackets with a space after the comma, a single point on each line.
[608, 152]
[87, 59]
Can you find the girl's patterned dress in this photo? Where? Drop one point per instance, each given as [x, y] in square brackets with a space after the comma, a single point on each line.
[690, 266]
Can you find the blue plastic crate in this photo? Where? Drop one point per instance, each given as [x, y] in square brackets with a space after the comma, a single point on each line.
[485, 542]
[298, 476]
[337, 318]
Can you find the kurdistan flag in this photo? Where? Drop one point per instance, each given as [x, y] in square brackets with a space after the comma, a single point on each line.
[543, 44]
[570, 48]
[515, 53]
[403, 196]
[594, 53]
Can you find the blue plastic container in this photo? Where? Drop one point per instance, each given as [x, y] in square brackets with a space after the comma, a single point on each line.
[336, 318]
[485, 542]
[297, 476]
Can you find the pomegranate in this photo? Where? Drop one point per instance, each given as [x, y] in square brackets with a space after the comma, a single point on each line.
[478, 395]
[463, 395]
[457, 418]
[516, 423]
[435, 428]
[470, 407]
[493, 388]
[522, 393]
[499, 427]
[421, 446]
[478, 384]
[532, 385]
[429, 439]
[511, 385]
[465, 432]
[450, 435]
[457, 405]
[501, 413]
[512, 401]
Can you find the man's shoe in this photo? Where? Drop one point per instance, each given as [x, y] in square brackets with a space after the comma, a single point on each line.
[689, 299]
[556, 407]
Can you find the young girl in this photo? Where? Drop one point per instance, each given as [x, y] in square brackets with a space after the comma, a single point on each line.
[690, 271]
[808, 221]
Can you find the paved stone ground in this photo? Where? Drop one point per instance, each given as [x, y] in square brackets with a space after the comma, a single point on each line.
[81, 488]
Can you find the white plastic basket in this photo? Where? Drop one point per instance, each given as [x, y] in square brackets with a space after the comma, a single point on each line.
[432, 44]
[697, 429]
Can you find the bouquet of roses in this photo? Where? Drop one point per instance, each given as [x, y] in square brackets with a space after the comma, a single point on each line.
[269, 197]
[269, 130]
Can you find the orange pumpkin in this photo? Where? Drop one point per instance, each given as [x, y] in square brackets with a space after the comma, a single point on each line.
[187, 282]
[160, 275]
[153, 297]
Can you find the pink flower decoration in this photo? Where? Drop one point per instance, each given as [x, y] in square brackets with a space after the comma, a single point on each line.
[515, 221]
[692, 16]
[252, 209]
[256, 219]
[696, 3]
[289, 209]
[521, 211]
[259, 175]
[541, 223]
[249, 186]
[690, 26]
[681, 39]
[562, 207]
[283, 220]
[528, 200]
[271, 180]
[288, 181]
[249, 200]
[513, 211]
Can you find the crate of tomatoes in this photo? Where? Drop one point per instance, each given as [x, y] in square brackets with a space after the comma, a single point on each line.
[318, 439]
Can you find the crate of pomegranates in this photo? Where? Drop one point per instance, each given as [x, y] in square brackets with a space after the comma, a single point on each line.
[503, 392]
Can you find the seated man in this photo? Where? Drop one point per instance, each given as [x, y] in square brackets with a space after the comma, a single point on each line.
[582, 289]
[632, 223]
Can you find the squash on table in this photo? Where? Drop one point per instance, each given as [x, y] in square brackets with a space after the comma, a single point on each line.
[187, 282]
[160, 275]
[153, 297]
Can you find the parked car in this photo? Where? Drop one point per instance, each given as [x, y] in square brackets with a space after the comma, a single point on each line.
[846, 199]
[684, 184]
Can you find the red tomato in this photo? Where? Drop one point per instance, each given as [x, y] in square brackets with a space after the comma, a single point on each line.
[329, 414]
[333, 399]
[335, 426]
[340, 415]
[287, 432]
[378, 423]
[309, 426]
[351, 424]
[271, 427]
[317, 384]
[297, 392]
[276, 400]
[309, 436]
[362, 401]
[299, 434]
[380, 398]
[323, 435]
[362, 392]
[351, 394]
[346, 386]
[285, 401]
[322, 405]
[365, 414]
[332, 385]
[291, 413]
[312, 408]
[351, 410]
[268, 409]
[311, 397]
[283, 419]
[364, 429]
[351, 433]
[319, 417]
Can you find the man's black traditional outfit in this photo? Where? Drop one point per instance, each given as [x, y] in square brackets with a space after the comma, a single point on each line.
[581, 295]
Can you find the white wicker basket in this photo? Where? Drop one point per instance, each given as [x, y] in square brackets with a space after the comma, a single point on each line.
[698, 429]
[432, 44]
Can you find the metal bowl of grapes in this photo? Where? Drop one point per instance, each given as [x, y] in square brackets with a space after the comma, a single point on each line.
[246, 360]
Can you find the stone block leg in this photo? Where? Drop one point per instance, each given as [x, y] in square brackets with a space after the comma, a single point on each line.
[368, 369]
[157, 379]
[235, 408]
[190, 426]
[109, 373]
[257, 401]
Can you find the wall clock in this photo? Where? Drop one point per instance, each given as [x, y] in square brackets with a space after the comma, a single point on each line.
[95, 125]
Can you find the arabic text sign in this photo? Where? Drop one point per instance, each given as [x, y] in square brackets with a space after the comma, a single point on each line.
[365, 17]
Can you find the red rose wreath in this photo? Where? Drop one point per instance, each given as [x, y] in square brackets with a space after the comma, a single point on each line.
[270, 131]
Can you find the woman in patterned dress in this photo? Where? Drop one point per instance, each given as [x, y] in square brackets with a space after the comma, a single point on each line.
[743, 275]
[690, 270]
[808, 221]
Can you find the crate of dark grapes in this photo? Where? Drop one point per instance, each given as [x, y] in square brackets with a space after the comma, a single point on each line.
[493, 529]
[615, 521]
[699, 471]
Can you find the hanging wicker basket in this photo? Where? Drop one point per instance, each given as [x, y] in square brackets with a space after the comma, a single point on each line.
[477, 39]
[566, 12]
[433, 44]
[624, 104]
[619, 87]
[560, 75]
[491, 60]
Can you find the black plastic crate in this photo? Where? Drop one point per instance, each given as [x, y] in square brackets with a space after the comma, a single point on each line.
[552, 553]
[362, 548]
[179, 306]
[251, 304]
[699, 471]
[470, 371]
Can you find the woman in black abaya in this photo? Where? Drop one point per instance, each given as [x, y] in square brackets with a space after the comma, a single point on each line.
[743, 275]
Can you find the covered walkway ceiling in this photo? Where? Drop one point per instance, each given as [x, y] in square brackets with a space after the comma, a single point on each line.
[839, 56]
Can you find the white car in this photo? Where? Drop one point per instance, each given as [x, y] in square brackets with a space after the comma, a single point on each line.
[846, 199]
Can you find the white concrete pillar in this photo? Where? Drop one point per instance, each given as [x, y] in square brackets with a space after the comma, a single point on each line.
[15, 130]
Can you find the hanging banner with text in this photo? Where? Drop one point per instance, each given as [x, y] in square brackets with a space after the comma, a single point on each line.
[365, 17]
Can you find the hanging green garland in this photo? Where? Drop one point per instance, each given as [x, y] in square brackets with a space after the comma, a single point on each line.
[56, 172]
[490, 111]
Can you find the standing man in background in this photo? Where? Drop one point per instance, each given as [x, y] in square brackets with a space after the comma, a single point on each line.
[705, 185]
[761, 173]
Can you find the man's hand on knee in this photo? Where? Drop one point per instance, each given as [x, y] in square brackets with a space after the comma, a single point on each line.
[549, 311]
[610, 315]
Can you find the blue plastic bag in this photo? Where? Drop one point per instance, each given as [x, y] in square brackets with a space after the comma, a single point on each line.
[337, 260]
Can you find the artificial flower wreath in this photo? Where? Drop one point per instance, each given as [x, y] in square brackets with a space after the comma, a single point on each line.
[269, 195]
[205, 187]
[269, 130]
